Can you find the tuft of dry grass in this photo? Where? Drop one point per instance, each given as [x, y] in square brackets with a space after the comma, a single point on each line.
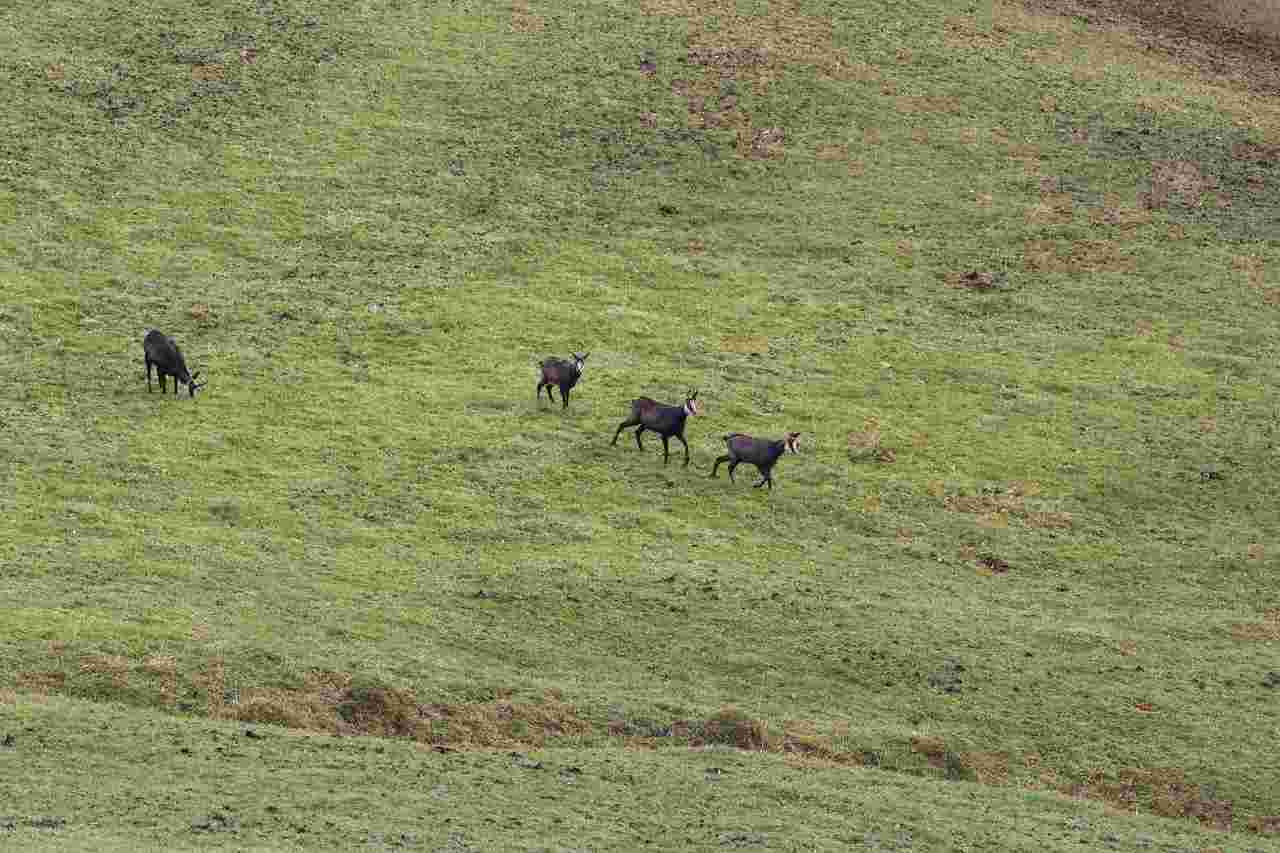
[1267, 630]
[990, 768]
[1265, 825]
[524, 20]
[1080, 256]
[41, 681]
[116, 667]
[207, 72]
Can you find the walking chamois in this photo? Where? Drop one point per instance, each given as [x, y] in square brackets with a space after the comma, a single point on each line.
[162, 351]
[666, 421]
[760, 452]
[560, 372]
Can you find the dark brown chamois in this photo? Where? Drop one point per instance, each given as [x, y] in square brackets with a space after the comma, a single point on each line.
[162, 351]
[666, 421]
[560, 372]
[760, 452]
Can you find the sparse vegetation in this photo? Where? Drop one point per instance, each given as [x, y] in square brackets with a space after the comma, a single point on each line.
[1009, 267]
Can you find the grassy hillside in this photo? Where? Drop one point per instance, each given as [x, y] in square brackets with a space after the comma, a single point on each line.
[1010, 272]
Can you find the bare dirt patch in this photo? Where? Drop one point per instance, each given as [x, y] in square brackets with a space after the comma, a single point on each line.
[1235, 39]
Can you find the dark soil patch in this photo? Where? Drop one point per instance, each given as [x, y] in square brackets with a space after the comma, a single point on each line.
[993, 563]
[1239, 41]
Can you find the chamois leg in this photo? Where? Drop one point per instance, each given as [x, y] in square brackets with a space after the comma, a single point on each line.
[733, 463]
[638, 444]
[148, 375]
[628, 422]
[686, 448]
[538, 393]
[564, 395]
[666, 449]
[175, 386]
[719, 459]
[160, 376]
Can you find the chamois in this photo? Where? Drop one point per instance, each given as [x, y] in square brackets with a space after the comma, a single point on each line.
[666, 421]
[760, 452]
[162, 351]
[561, 372]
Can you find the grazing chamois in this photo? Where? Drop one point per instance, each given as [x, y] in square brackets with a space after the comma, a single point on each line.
[760, 452]
[666, 421]
[561, 372]
[162, 351]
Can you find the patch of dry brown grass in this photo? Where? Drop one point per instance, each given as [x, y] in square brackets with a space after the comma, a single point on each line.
[1049, 520]
[1267, 630]
[1114, 212]
[41, 681]
[115, 667]
[166, 668]
[756, 48]
[1265, 825]
[1167, 791]
[833, 152]
[1080, 256]
[1253, 267]
[207, 72]
[330, 703]
[990, 768]
[524, 20]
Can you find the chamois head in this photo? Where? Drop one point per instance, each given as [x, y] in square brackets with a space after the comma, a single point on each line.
[579, 360]
[691, 404]
[193, 386]
[793, 442]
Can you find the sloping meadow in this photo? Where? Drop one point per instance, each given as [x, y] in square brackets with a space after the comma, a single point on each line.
[1010, 273]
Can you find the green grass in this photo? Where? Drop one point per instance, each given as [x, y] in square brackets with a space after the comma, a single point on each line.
[366, 238]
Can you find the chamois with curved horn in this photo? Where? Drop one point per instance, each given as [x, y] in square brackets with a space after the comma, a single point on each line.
[666, 421]
[560, 372]
[763, 453]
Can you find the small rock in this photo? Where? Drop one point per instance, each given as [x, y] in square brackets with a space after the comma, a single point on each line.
[743, 839]
[522, 760]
